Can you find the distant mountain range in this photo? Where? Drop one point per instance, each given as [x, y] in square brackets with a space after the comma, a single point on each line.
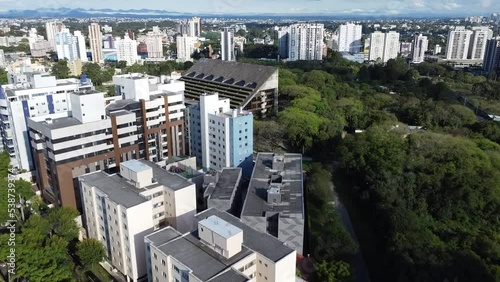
[87, 13]
[147, 13]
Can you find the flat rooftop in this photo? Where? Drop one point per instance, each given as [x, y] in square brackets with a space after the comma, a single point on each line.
[220, 226]
[229, 276]
[263, 243]
[171, 180]
[118, 189]
[225, 187]
[135, 165]
[202, 260]
[123, 192]
[291, 187]
[62, 122]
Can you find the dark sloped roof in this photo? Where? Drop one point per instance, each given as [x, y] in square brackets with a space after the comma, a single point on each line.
[233, 72]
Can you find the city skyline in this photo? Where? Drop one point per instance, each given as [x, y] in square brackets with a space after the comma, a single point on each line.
[290, 7]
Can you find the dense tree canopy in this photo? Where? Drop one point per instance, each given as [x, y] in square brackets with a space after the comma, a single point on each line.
[60, 69]
[91, 252]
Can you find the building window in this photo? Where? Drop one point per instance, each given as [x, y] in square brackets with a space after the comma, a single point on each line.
[163, 261]
[156, 268]
[176, 269]
[155, 256]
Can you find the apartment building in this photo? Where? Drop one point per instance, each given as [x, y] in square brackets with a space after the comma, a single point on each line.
[32, 94]
[458, 44]
[120, 209]
[251, 87]
[349, 38]
[66, 45]
[95, 39]
[221, 249]
[220, 137]
[479, 38]
[221, 190]
[186, 46]
[305, 41]
[491, 60]
[126, 50]
[227, 45]
[2, 59]
[154, 41]
[146, 123]
[419, 47]
[275, 198]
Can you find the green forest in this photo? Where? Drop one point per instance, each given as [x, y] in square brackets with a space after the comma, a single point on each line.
[418, 171]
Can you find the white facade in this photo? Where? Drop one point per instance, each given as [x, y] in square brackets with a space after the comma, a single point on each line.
[219, 235]
[51, 29]
[437, 49]
[120, 210]
[120, 229]
[227, 45]
[126, 50]
[95, 39]
[185, 47]
[66, 45]
[458, 44]
[82, 50]
[154, 43]
[305, 42]
[391, 45]
[350, 38]
[33, 95]
[2, 59]
[420, 45]
[478, 41]
[377, 42]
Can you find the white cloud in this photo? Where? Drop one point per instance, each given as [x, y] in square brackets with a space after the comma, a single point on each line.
[451, 6]
[419, 3]
[485, 3]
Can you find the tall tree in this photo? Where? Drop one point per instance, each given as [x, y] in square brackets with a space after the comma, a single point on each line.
[90, 252]
[60, 69]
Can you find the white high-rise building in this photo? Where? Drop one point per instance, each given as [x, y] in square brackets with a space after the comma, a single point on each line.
[227, 45]
[185, 47]
[66, 45]
[420, 45]
[376, 49]
[195, 27]
[51, 29]
[350, 38]
[305, 41]
[383, 46]
[2, 59]
[82, 50]
[32, 95]
[478, 42]
[126, 50]
[458, 43]
[95, 39]
[491, 60]
[220, 137]
[437, 49]
[154, 43]
[283, 38]
[391, 45]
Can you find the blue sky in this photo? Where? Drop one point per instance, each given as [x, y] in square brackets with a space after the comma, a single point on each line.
[389, 7]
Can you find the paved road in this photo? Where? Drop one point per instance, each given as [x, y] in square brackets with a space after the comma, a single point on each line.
[357, 262]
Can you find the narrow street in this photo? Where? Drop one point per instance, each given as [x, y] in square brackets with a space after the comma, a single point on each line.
[357, 262]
